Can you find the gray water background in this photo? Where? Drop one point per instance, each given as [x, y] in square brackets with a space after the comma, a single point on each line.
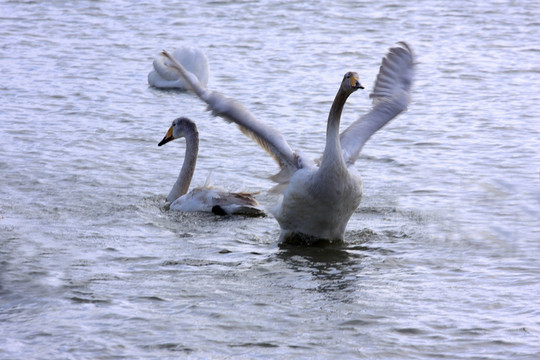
[441, 259]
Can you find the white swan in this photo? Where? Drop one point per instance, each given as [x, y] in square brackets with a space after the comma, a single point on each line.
[193, 61]
[319, 201]
[206, 198]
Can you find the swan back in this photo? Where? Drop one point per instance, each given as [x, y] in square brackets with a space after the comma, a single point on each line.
[192, 59]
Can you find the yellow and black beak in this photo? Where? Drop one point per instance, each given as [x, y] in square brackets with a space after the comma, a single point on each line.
[168, 137]
[355, 82]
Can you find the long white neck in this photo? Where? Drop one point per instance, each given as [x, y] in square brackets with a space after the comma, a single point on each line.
[181, 186]
[332, 152]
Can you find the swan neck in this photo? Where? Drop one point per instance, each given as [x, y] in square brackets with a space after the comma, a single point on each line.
[188, 167]
[332, 151]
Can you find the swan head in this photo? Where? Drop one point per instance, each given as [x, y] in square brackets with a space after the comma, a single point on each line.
[181, 127]
[351, 82]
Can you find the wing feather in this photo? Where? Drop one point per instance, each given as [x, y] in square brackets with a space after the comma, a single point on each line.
[391, 95]
[269, 138]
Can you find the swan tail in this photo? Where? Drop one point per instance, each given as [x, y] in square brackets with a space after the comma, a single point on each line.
[240, 203]
[242, 210]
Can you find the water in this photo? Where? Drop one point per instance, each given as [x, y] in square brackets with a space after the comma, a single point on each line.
[440, 260]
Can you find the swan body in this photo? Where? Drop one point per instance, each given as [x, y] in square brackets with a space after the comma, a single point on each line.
[217, 201]
[318, 201]
[316, 209]
[193, 60]
[206, 199]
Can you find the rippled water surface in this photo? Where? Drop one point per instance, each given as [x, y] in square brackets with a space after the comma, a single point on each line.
[441, 259]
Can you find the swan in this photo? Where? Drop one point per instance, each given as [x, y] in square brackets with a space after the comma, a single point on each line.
[318, 200]
[192, 59]
[207, 199]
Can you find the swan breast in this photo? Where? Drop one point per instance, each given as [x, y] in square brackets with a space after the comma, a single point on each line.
[312, 210]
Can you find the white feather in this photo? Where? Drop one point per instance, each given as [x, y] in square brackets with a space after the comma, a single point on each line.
[318, 202]
[165, 77]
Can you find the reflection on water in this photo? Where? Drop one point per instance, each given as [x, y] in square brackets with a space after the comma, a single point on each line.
[335, 268]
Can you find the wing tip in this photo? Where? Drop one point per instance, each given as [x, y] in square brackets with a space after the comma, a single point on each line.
[396, 73]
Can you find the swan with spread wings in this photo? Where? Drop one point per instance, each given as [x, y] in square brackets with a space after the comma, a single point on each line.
[318, 200]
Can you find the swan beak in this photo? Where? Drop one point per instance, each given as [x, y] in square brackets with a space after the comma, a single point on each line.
[355, 82]
[168, 137]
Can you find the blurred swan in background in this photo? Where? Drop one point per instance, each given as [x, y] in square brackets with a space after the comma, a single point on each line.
[318, 201]
[207, 199]
[192, 59]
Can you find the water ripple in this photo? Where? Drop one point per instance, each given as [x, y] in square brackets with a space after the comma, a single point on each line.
[440, 259]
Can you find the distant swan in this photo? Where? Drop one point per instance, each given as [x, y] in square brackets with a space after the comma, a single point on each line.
[205, 199]
[193, 61]
[318, 201]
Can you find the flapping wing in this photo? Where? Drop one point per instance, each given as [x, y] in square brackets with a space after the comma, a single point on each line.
[390, 95]
[269, 138]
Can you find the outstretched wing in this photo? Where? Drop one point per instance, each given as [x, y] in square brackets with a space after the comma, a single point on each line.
[390, 95]
[269, 138]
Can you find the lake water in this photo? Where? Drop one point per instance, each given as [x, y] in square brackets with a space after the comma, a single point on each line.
[441, 259]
